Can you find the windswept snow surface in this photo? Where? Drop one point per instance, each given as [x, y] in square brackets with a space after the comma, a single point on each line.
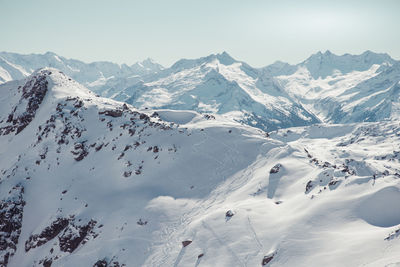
[88, 181]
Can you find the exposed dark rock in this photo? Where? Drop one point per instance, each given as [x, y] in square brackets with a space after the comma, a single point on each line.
[393, 235]
[144, 117]
[209, 117]
[309, 187]
[332, 183]
[186, 243]
[47, 234]
[33, 93]
[105, 263]
[229, 214]
[140, 222]
[276, 168]
[101, 263]
[74, 235]
[131, 132]
[11, 213]
[99, 147]
[326, 165]
[80, 151]
[112, 113]
[308, 153]
[46, 262]
[267, 259]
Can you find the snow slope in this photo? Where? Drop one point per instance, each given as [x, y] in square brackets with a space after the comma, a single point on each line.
[88, 181]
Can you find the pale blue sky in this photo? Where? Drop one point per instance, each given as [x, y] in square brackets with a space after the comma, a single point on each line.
[256, 31]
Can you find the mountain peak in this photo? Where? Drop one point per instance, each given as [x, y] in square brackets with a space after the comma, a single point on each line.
[147, 66]
[225, 59]
[321, 54]
[324, 64]
[49, 53]
[60, 84]
[149, 61]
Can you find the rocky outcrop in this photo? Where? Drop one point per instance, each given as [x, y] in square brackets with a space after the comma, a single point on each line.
[33, 93]
[276, 168]
[11, 213]
[47, 234]
[75, 234]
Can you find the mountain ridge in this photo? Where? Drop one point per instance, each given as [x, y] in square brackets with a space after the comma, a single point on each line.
[90, 181]
[276, 96]
[98, 75]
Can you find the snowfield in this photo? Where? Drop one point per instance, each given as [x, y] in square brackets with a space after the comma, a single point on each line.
[89, 181]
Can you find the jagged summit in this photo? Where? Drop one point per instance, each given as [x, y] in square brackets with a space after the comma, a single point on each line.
[279, 68]
[325, 64]
[222, 58]
[225, 58]
[148, 64]
[98, 76]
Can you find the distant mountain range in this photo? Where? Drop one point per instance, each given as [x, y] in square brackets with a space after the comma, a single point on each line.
[98, 76]
[324, 88]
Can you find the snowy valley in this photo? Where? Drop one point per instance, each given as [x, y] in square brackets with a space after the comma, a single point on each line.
[209, 162]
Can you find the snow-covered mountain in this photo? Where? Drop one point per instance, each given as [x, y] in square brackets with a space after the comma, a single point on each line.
[221, 85]
[89, 181]
[346, 89]
[101, 77]
[323, 88]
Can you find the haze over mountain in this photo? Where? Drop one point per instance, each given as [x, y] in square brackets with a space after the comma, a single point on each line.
[98, 76]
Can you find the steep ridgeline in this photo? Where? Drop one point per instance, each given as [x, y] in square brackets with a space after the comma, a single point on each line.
[101, 77]
[325, 87]
[88, 181]
[348, 88]
[221, 85]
